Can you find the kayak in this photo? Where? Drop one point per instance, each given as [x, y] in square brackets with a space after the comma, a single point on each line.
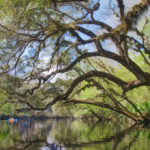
[12, 120]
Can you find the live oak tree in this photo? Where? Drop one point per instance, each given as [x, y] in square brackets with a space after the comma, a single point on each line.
[73, 41]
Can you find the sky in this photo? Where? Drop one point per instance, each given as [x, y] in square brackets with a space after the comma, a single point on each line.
[104, 14]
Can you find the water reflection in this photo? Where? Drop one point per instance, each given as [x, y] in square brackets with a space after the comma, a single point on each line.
[71, 135]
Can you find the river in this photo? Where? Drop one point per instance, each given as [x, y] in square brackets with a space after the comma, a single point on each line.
[71, 135]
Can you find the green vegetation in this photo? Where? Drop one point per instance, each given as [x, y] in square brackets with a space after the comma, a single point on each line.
[67, 58]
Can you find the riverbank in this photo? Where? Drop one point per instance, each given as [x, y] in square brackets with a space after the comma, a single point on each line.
[6, 117]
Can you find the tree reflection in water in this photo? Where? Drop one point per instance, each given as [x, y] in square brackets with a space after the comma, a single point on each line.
[71, 135]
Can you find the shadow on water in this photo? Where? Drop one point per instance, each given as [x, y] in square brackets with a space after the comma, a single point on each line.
[71, 135]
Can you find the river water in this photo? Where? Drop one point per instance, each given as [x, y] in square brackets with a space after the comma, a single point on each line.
[71, 135]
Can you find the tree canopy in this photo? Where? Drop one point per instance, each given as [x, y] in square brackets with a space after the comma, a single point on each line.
[60, 52]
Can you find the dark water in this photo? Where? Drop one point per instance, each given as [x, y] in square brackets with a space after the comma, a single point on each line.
[71, 135]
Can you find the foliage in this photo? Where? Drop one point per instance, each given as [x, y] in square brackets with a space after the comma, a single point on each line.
[73, 54]
[4, 108]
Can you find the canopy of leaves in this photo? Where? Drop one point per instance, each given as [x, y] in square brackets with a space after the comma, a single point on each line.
[87, 52]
